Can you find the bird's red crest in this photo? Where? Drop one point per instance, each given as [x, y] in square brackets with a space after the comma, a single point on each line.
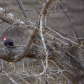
[3, 37]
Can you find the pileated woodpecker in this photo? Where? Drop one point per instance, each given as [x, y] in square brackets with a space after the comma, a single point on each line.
[8, 42]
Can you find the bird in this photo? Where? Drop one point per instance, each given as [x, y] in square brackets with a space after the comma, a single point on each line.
[8, 42]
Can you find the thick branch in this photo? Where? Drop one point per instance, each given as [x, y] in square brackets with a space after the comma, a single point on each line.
[47, 6]
[8, 54]
[9, 18]
[21, 7]
[12, 19]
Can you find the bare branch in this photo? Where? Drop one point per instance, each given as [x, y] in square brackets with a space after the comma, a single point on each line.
[46, 6]
[11, 80]
[70, 22]
[6, 30]
[20, 4]
[67, 39]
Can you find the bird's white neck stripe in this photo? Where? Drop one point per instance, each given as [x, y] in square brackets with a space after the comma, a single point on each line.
[4, 39]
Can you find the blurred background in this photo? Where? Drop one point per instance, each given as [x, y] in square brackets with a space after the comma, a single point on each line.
[57, 21]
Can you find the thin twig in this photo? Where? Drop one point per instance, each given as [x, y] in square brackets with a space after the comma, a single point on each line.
[42, 38]
[69, 20]
[67, 39]
[6, 30]
[11, 80]
[53, 37]
[21, 78]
